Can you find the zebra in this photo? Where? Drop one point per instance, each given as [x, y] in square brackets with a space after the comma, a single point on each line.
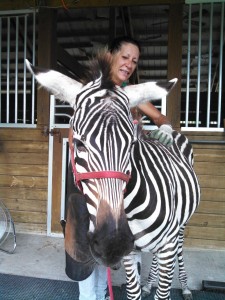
[176, 164]
[140, 194]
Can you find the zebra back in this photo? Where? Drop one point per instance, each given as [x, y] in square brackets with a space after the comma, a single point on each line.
[182, 145]
[163, 192]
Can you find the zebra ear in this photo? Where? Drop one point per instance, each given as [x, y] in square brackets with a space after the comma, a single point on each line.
[148, 91]
[61, 86]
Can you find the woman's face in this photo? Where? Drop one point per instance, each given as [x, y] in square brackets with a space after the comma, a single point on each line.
[124, 63]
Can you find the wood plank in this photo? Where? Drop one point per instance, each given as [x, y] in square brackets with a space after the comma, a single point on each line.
[209, 194]
[26, 205]
[207, 220]
[31, 228]
[23, 158]
[24, 194]
[207, 155]
[204, 135]
[203, 244]
[23, 182]
[208, 146]
[22, 134]
[205, 233]
[210, 168]
[25, 170]
[211, 181]
[212, 207]
[28, 217]
[25, 146]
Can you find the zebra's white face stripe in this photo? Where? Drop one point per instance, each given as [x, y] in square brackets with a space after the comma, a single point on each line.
[105, 122]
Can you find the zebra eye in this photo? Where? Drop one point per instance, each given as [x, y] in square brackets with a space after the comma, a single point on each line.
[80, 145]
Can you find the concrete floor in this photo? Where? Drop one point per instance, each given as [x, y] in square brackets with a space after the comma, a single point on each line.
[43, 257]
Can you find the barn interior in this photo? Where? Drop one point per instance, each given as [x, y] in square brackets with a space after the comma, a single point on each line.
[175, 41]
[81, 32]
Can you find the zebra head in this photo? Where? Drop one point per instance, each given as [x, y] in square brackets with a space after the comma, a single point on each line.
[103, 136]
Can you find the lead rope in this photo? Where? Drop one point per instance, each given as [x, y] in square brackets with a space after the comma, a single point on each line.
[110, 284]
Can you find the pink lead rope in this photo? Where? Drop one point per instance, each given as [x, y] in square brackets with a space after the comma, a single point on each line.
[110, 284]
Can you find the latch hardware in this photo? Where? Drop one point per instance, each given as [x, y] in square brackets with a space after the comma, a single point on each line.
[52, 132]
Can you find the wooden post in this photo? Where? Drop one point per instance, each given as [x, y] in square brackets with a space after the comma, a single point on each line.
[175, 63]
[46, 58]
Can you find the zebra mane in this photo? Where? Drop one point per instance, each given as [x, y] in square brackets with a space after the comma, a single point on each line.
[100, 65]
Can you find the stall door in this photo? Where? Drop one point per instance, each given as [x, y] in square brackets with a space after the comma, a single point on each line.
[58, 162]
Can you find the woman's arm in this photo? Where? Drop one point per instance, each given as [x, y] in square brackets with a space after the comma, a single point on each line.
[153, 113]
[164, 132]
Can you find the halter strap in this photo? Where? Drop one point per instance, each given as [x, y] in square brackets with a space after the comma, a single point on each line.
[96, 175]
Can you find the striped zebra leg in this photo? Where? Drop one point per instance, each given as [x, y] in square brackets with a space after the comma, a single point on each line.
[182, 273]
[166, 262]
[132, 264]
[152, 277]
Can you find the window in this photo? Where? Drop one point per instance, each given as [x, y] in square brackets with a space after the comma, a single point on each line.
[17, 42]
[203, 89]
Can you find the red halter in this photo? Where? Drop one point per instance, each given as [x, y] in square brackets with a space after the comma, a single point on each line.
[97, 175]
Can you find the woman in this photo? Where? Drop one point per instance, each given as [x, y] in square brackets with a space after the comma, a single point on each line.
[124, 52]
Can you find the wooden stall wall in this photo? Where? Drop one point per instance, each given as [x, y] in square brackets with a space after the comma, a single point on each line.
[24, 152]
[206, 228]
[24, 177]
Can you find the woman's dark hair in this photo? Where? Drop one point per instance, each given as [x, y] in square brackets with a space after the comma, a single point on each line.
[117, 43]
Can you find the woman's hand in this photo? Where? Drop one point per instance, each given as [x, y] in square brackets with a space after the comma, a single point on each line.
[163, 134]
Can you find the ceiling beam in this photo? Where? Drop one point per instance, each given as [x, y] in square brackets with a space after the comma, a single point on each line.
[21, 4]
[69, 63]
[127, 24]
[112, 24]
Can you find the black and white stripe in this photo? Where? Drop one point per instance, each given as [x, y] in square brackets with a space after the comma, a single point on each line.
[161, 197]
[163, 191]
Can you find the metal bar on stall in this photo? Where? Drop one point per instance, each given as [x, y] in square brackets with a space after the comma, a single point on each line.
[63, 181]
[33, 62]
[0, 69]
[199, 65]
[210, 67]
[8, 70]
[14, 12]
[16, 70]
[50, 166]
[220, 65]
[25, 70]
[188, 68]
